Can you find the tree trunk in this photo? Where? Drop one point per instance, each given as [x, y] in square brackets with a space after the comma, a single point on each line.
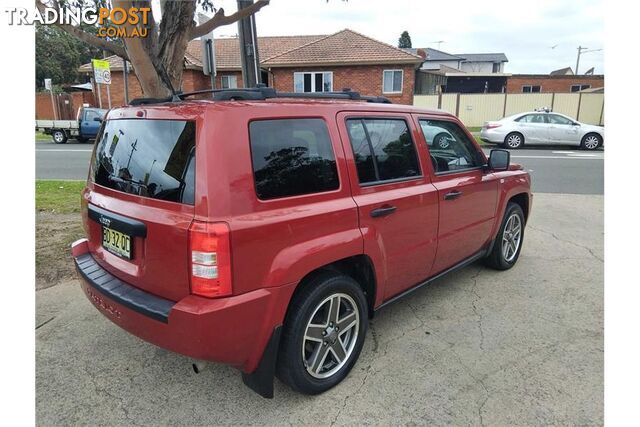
[158, 59]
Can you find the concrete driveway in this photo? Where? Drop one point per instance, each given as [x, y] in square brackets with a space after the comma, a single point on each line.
[479, 347]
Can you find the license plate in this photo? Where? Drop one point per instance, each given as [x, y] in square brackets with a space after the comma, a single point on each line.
[116, 242]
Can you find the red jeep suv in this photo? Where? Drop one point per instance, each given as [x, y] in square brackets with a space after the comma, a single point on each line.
[264, 229]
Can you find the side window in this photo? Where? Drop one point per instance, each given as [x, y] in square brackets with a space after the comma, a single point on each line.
[383, 149]
[292, 157]
[449, 147]
[532, 118]
[90, 115]
[559, 120]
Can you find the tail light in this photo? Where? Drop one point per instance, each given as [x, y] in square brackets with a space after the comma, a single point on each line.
[210, 259]
[492, 125]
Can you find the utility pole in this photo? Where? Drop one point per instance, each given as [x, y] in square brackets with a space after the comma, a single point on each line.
[125, 76]
[582, 50]
[249, 47]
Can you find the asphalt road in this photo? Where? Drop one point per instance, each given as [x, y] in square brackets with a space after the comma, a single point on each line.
[562, 170]
[553, 170]
[62, 161]
[478, 347]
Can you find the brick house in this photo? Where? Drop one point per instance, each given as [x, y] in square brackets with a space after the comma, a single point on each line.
[316, 63]
[543, 83]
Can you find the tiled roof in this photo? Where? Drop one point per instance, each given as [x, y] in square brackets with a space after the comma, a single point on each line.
[115, 63]
[228, 49]
[343, 47]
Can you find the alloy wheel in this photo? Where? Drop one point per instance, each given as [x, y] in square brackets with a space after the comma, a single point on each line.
[58, 136]
[591, 142]
[514, 141]
[511, 237]
[330, 335]
[443, 142]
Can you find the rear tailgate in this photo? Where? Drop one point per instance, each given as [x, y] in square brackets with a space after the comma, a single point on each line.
[139, 202]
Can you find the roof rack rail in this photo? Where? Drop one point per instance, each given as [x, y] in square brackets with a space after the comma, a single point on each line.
[261, 93]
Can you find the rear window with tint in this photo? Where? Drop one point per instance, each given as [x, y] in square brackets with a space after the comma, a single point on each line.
[292, 157]
[149, 158]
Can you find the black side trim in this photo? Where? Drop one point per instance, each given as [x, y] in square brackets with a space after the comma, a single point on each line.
[118, 222]
[458, 266]
[261, 380]
[113, 288]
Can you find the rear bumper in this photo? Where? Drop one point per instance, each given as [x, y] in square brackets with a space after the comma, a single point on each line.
[491, 136]
[232, 330]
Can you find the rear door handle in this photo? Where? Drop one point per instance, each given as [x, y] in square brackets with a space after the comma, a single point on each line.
[451, 195]
[384, 211]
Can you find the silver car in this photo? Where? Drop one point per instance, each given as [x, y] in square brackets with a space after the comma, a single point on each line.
[542, 127]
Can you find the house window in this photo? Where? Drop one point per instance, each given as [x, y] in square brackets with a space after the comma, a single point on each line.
[531, 89]
[496, 67]
[392, 81]
[229, 82]
[321, 81]
[578, 88]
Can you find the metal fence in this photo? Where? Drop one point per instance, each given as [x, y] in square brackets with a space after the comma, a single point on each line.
[475, 109]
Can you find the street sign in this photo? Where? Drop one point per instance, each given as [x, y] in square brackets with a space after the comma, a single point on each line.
[101, 71]
[47, 84]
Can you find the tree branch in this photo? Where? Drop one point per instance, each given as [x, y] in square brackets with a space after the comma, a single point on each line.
[220, 19]
[89, 38]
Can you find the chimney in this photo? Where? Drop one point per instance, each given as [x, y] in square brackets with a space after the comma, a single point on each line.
[422, 53]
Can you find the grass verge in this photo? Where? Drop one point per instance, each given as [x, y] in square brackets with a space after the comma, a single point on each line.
[42, 137]
[58, 224]
[58, 196]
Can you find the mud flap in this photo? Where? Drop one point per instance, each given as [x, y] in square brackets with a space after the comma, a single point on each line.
[261, 380]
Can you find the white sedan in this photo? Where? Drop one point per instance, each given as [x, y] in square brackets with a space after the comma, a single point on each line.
[539, 128]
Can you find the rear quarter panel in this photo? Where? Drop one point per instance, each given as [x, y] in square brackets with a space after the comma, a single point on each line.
[274, 242]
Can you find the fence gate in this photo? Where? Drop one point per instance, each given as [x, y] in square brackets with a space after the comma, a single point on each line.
[65, 106]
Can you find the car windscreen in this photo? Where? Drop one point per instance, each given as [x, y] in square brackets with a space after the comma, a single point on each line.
[149, 158]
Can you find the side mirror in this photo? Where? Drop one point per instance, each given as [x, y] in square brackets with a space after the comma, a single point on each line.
[499, 160]
[97, 119]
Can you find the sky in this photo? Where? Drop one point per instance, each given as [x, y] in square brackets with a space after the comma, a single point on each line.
[524, 31]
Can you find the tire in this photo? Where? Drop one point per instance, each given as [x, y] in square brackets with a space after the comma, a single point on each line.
[442, 140]
[591, 141]
[59, 136]
[500, 258]
[312, 306]
[514, 140]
